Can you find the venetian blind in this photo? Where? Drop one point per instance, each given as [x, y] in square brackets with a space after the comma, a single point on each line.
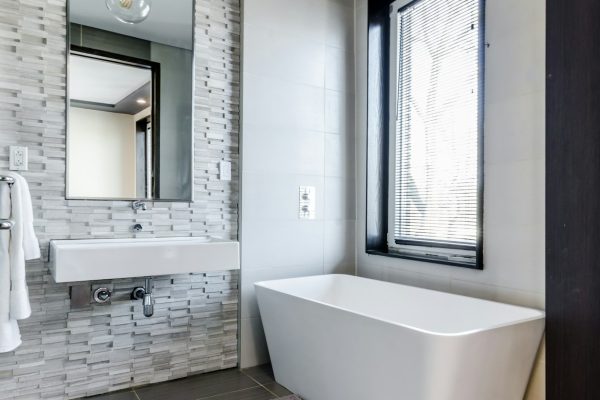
[437, 124]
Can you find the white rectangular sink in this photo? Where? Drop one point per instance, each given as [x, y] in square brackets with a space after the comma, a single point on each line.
[98, 259]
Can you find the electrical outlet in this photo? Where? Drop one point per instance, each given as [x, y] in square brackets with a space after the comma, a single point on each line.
[18, 158]
[225, 170]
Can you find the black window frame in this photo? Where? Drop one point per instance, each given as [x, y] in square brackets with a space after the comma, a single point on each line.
[378, 139]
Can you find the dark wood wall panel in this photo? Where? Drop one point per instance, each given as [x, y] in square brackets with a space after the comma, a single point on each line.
[573, 199]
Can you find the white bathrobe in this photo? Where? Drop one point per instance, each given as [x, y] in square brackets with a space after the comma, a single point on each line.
[16, 246]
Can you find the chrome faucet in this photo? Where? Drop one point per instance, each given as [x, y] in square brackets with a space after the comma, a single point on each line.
[139, 205]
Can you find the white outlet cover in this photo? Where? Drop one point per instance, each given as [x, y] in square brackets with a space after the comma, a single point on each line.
[225, 170]
[18, 159]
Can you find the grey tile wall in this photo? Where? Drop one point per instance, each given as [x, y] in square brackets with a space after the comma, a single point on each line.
[72, 353]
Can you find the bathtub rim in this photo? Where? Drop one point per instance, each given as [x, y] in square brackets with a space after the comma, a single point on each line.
[541, 314]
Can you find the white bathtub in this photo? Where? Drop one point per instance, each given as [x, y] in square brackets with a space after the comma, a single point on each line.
[337, 337]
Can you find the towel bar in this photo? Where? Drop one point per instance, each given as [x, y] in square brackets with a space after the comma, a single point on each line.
[7, 179]
[6, 224]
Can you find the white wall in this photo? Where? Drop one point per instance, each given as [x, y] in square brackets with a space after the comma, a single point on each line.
[101, 156]
[514, 136]
[298, 129]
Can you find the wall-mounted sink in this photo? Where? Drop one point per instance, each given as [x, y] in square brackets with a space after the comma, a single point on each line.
[98, 259]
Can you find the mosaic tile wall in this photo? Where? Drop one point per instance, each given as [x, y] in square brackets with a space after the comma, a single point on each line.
[73, 353]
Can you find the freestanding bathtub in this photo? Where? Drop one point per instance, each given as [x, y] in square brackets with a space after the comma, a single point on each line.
[337, 337]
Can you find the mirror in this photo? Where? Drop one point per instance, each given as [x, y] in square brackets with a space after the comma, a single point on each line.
[130, 93]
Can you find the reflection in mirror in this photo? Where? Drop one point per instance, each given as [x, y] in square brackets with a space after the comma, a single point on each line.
[110, 118]
[130, 102]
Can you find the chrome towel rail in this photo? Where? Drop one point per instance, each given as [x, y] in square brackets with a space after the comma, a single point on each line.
[7, 179]
[6, 224]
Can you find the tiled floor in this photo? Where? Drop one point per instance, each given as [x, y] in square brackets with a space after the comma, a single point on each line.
[250, 384]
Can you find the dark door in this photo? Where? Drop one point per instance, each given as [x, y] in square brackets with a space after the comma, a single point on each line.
[573, 199]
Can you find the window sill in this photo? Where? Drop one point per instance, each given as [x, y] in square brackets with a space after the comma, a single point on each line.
[477, 266]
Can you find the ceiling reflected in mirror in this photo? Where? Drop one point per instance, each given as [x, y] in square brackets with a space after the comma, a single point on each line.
[109, 86]
[169, 22]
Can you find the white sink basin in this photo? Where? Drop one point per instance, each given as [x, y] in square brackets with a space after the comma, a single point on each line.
[98, 259]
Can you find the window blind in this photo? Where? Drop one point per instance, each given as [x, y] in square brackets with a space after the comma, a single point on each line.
[436, 127]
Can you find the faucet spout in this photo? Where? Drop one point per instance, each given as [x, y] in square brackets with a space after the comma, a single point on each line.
[139, 205]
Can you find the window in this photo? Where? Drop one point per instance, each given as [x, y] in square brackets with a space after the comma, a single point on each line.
[435, 185]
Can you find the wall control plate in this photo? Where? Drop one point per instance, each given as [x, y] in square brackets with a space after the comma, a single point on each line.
[18, 159]
[306, 202]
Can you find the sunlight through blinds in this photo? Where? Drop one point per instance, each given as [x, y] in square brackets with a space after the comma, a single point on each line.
[437, 124]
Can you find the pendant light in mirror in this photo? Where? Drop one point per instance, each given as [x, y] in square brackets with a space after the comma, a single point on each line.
[129, 11]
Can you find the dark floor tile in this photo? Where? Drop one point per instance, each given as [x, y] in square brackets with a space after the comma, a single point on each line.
[277, 389]
[124, 395]
[262, 373]
[257, 393]
[198, 386]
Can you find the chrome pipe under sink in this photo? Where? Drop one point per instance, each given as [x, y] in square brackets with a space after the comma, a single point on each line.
[148, 300]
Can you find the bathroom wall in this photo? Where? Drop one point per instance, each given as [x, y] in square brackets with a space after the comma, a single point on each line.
[69, 353]
[514, 166]
[298, 130]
